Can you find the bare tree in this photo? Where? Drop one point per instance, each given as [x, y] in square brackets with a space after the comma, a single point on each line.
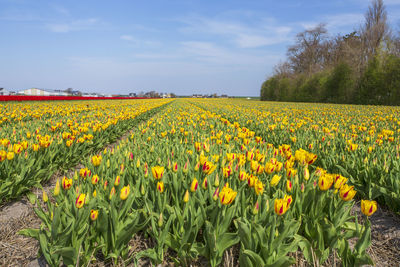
[375, 29]
[307, 55]
[283, 69]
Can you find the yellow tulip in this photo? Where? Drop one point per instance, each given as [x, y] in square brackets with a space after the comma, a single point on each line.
[254, 165]
[242, 176]
[10, 155]
[259, 187]
[96, 160]
[340, 181]
[368, 207]
[194, 185]
[280, 206]
[275, 180]
[160, 186]
[325, 182]
[347, 192]
[66, 183]
[17, 148]
[227, 171]
[227, 195]
[269, 167]
[94, 214]
[158, 172]
[124, 192]
[3, 155]
[95, 179]
[80, 201]
[208, 167]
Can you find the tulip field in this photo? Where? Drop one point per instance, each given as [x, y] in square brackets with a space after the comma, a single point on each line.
[36, 139]
[199, 177]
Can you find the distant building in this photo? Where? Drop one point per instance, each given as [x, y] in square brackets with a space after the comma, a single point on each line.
[90, 95]
[224, 96]
[42, 92]
[132, 94]
[4, 91]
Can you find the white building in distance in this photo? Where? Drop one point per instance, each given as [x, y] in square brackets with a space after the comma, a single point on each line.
[4, 91]
[42, 92]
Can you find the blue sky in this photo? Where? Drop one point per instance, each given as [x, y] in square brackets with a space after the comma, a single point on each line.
[185, 47]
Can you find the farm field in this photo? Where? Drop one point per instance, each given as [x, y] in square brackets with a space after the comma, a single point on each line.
[208, 181]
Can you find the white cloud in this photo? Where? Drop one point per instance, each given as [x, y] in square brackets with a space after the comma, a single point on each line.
[73, 25]
[139, 42]
[127, 37]
[345, 22]
[346, 19]
[262, 33]
[212, 53]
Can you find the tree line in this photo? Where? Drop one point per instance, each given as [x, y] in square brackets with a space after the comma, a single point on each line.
[362, 67]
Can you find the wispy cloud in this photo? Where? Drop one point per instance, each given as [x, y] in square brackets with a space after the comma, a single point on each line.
[242, 35]
[212, 53]
[20, 15]
[139, 42]
[127, 37]
[346, 19]
[336, 22]
[73, 25]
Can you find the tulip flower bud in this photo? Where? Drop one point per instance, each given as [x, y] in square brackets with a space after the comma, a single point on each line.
[169, 164]
[216, 194]
[289, 185]
[216, 181]
[45, 197]
[57, 188]
[142, 190]
[186, 167]
[117, 180]
[306, 174]
[196, 168]
[204, 184]
[256, 208]
[160, 220]
[186, 197]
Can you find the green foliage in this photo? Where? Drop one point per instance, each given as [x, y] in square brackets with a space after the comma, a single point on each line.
[379, 83]
[340, 85]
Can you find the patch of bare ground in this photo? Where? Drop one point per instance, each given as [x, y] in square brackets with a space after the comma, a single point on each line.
[17, 250]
